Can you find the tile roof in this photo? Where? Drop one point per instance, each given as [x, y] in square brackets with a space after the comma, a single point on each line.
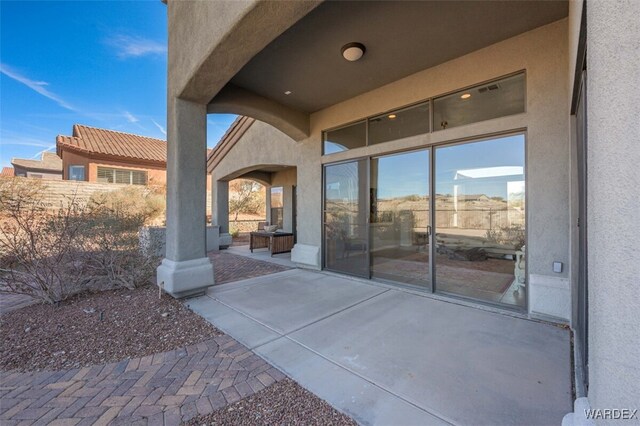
[230, 138]
[91, 140]
[7, 172]
[48, 161]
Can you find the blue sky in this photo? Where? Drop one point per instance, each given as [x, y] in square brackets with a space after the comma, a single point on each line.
[96, 63]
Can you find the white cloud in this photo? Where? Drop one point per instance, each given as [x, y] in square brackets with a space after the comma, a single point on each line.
[38, 154]
[132, 46]
[130, 117]
[21, 143]
[162, 129]
[36, 86]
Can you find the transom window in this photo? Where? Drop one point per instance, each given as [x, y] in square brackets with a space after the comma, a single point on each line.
[131, 177]
[497, 98]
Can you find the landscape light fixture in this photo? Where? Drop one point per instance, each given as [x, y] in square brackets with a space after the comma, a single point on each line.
[353, 51]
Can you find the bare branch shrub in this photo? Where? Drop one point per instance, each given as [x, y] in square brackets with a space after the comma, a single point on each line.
[38, 245]
[246, 196]
[52, 253]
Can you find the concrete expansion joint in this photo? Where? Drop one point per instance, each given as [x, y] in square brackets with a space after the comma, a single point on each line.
[291, 339]
[280, 335]
[378, 385]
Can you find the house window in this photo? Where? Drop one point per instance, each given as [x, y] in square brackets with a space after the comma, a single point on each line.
[76, 173]
[399, 124]
[130, 177]
[277, 207]
[345, 138]
[498, 98]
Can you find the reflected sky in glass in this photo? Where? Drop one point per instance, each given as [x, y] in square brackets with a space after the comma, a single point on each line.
[491, 155]
[404, 174]
[407, 173]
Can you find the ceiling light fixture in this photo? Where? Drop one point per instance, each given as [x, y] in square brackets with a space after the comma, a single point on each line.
[466, 96]
[288, 92]
[353, 51]
[392, 116]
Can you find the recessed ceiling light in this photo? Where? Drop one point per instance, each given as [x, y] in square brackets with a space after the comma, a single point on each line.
[466, 96]
[392, 116]
[288, 92]
[353, 51]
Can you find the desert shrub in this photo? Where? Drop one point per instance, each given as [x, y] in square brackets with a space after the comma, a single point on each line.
[235, 232]
[53, 254]
[38, 246]
[131, 202]
[511, 235]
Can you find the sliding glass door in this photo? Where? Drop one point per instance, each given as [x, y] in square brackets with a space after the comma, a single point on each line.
[480, 220]
[346, 239]
[400, 221]
[379, 214]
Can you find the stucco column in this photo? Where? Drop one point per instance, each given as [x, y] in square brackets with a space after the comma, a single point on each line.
[613, 203]
[221, 208]
[287, 210]
[186, 270]
[267, 202]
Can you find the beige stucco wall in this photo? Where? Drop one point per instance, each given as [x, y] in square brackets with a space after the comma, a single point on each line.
[210, 41]
[613, 90]
[261, 145]
[543, 54]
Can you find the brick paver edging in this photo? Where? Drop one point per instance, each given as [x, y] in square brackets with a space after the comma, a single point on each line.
[166, 388]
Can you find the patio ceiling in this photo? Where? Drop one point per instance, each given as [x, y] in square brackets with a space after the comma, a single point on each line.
[400, 38]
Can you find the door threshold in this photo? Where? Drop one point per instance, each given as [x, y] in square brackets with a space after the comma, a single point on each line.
[502, 310]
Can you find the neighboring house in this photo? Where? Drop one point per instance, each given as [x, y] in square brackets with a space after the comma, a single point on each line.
[99, 155]
[476, 98]
[48, 167]
[108, 156]
[7, 172]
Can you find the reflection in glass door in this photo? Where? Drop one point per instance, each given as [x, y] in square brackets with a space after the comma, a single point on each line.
[399, 218]
[480, 220]
[345, 218]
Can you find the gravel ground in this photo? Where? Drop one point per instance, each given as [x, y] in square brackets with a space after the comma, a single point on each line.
[283, 403]
[98, 328]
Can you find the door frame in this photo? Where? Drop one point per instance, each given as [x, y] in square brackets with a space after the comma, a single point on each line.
[367, 207]
[431, 288]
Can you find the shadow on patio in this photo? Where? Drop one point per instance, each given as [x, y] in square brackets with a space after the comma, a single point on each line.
[387, 356]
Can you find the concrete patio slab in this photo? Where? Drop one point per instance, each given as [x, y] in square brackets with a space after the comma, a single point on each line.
[359, 398]
[386, 356]
[288, 301]
[460, 363]
[246, 331]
